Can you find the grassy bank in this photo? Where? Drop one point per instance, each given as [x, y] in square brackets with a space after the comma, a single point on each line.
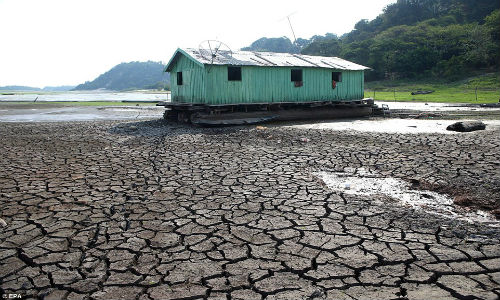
[478, 89]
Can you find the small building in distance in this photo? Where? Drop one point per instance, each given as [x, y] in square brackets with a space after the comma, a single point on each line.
[262, 77]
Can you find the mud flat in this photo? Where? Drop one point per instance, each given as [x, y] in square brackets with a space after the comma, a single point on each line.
[392, 125]
[49, 112]
[146, 210]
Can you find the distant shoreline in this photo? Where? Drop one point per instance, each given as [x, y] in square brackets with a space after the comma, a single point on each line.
[91, 96]
[29, 90]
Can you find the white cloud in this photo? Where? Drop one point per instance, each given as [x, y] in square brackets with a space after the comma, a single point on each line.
[56, 42]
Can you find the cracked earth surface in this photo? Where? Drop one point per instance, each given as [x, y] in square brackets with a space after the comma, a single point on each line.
[146, 210]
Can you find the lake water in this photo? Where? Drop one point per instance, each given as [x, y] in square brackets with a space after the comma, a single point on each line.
[82, 113]
[42, 113]
[124, 110]
[433, 106]
[85, 96]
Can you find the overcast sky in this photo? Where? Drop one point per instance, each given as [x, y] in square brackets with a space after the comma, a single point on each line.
[68, 42]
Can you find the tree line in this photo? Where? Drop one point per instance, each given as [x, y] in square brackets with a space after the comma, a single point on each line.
[413, 39]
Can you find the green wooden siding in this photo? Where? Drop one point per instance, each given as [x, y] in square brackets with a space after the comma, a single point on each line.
[193, 77]
[210, 85]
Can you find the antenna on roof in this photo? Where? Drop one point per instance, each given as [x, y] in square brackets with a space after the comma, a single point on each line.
[290, 23]
[210, 50]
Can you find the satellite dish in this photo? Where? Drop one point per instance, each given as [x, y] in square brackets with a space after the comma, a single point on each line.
[211, 49]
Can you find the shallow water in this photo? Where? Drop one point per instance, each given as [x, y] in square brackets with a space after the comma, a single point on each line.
[365, 183]
[393, 125]
[431, 106]
[81, 113]
[86, 96]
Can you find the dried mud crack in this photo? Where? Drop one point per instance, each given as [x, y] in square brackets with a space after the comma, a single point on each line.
[145, 210]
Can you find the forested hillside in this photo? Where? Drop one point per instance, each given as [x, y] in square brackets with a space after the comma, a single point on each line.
[281, 44]
[132, 75]
[419, 38]
[284, 44]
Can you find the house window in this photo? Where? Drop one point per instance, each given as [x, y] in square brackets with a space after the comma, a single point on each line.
[234, 73]
[337, 76]
[296, 75]
[179, 78]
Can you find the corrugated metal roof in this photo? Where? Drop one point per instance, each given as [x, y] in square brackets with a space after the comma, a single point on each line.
[266, 59]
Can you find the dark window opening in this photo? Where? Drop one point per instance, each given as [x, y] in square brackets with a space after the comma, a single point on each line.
[179, 78]
[337, 76]
[234, 73]
[296, 75]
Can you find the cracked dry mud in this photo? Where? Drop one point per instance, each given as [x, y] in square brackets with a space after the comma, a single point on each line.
[151, 211]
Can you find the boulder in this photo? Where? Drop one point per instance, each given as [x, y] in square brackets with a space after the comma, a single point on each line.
[466, 126]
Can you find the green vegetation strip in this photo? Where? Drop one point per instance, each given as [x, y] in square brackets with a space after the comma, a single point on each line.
[480, 89]
[446, 95]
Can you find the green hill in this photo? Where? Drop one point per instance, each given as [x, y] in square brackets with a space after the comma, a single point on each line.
[415, 39]
[61, 88]
[129, 76]
[422, 39]
[284, 44]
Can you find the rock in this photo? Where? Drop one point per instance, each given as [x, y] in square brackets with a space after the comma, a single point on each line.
[466, 126]
[3, 223]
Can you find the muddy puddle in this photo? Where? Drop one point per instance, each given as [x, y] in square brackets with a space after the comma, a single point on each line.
[393, 125]
[362, 182]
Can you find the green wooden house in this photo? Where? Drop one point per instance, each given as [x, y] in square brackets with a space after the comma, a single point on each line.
[244, 77]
